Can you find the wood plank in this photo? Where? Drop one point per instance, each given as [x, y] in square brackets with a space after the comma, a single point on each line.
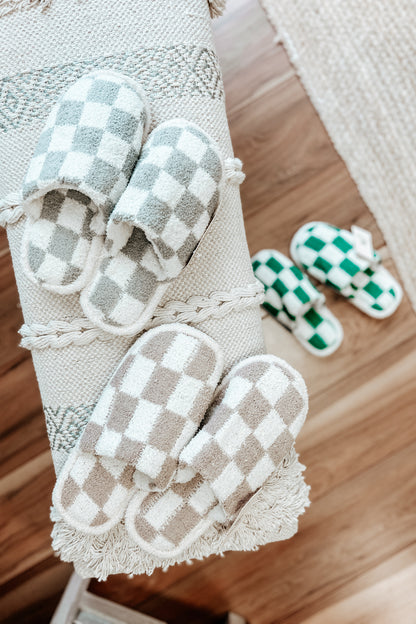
[339, 538]
[384, 594]
[353, 559]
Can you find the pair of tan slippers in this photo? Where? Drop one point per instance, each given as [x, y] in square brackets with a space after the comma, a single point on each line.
[170, 451]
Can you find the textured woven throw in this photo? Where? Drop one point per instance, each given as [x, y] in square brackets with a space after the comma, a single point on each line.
[167, 47]
[357, 62]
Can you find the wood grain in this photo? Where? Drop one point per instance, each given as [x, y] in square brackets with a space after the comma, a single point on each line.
[354, 557]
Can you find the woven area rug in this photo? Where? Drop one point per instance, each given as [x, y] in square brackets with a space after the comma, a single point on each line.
[357, 61]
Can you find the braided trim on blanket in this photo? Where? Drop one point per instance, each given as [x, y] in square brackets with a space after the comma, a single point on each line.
[81, 331]
[216, 7]
[11, 210]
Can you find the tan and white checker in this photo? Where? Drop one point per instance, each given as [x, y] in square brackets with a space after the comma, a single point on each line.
[92, 492]
[250, 428]
[149, 410]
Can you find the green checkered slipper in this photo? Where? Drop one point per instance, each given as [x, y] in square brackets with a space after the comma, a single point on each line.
[296, 303]
[333, 256]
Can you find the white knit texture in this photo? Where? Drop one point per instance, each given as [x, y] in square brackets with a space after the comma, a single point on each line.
[357, 62]
[169, 44]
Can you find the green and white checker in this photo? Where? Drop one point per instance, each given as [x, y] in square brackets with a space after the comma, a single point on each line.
[296, 303]
[328, 254]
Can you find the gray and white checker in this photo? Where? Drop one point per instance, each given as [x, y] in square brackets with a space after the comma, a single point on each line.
[89, 145]
[57, 245]
[248, 431]
[156, 226]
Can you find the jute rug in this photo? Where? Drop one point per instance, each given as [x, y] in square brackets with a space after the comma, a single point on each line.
[357, 61]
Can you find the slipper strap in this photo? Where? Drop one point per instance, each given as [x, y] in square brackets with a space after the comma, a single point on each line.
[154, 402]
[249, 430]
[327, 252]
[91, 142]
[287, 288]
[172, 195]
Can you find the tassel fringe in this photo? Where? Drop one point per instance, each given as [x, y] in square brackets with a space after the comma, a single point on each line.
[10, 6]
[216, 7]
[270, 515]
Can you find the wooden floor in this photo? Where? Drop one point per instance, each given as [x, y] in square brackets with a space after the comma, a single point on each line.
[354, 558]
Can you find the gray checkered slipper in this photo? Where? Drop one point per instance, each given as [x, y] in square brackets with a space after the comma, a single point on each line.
[296, 303]
[149, 410]
[342, 260]
[81, 166]
[156, 226]
[250, 428]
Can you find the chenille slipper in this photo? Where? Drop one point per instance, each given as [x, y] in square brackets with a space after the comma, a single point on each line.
[334, 257]
[296, 303]
[148, 412]
[250, 428]
[156, 226]
[81, 166]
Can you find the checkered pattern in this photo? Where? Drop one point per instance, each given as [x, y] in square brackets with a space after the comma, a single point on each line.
[168, 205]
[91, 140]
[59, 242]
[148, 411]
[165, 523]
[92, 492]
[294, 301]
[154, 402]
[328, 254]
[250, 428]
[90, 143]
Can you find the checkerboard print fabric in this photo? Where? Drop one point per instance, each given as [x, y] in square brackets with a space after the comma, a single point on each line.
[81, 165]
[288, 291]
[165, 523]
[155, 402]
[57, 245]
[92, 492]
[173, 193]
[91, 140]
[248, 431]
[156, 226]
[292, 299]
[328, 254]
[148, 412]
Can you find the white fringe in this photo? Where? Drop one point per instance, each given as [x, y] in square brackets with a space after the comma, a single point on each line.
[217, 7]
[270, 515]
[9, 6]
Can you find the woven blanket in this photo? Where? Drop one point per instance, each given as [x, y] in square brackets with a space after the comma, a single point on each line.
[167, 46]
[357, 63]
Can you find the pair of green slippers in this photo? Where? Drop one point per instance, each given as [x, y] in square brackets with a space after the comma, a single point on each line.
[330, 255]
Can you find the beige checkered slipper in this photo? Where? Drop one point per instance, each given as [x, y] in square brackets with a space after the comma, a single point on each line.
[149, 410]
[81, 166]
[250, 428]
[156, 226]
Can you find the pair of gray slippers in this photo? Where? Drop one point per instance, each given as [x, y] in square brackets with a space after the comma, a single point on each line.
[113, 213]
